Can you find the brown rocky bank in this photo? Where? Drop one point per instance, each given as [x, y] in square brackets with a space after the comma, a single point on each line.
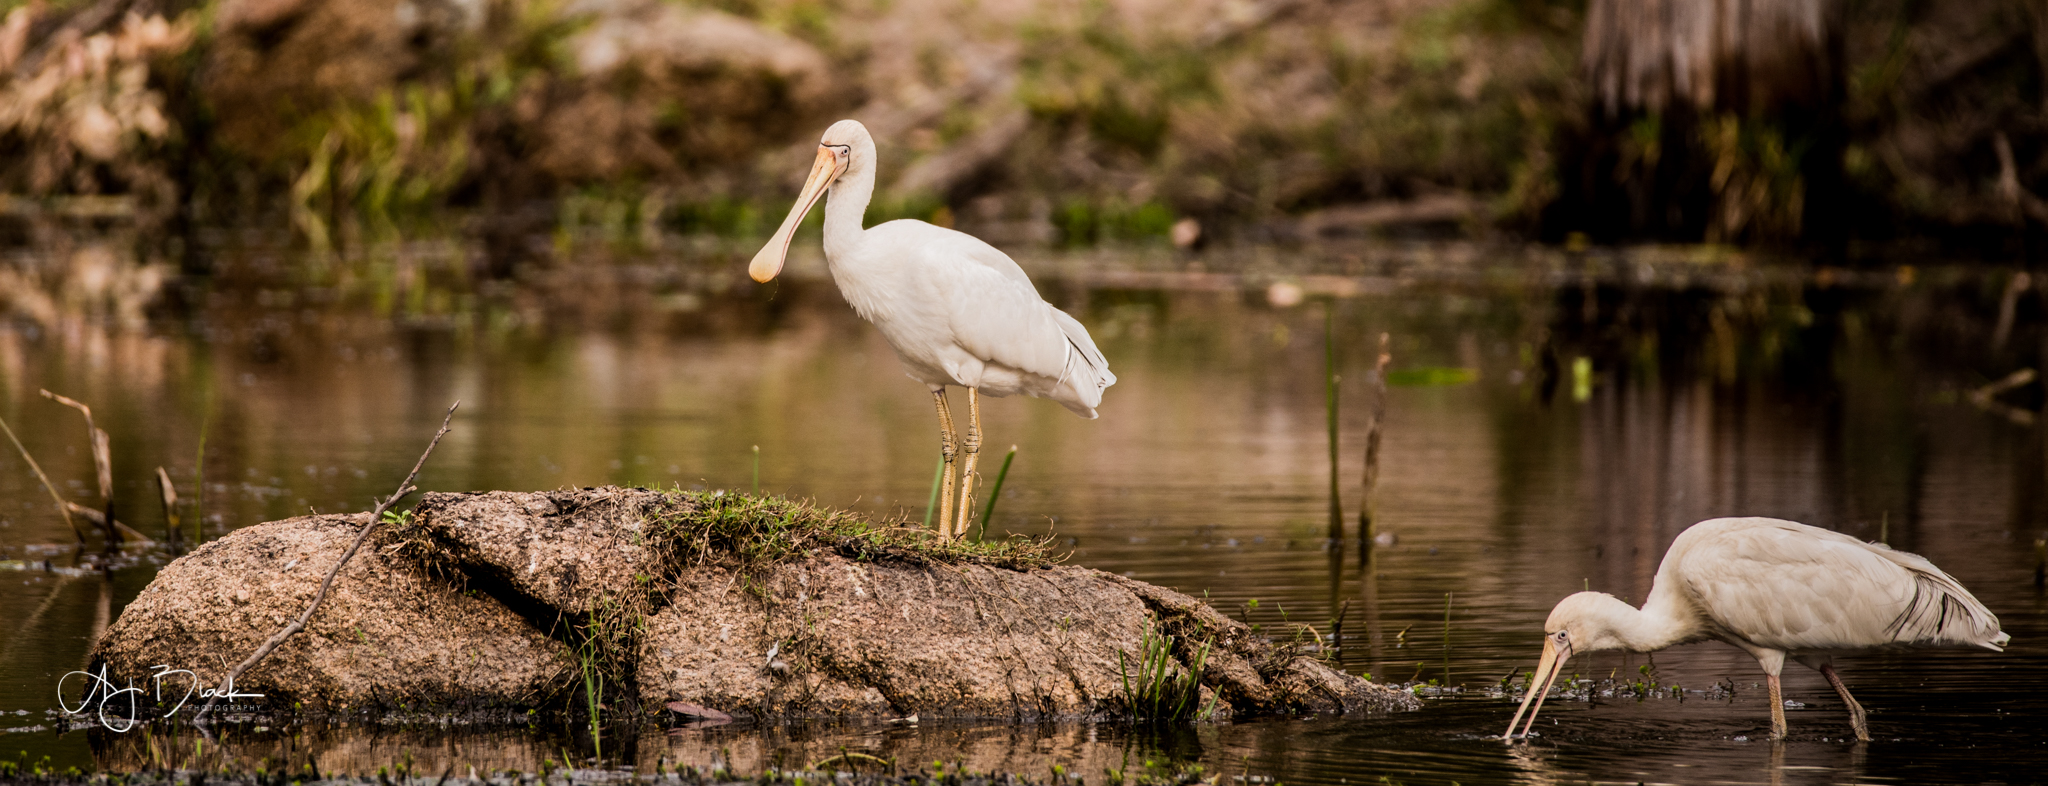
[756, 607]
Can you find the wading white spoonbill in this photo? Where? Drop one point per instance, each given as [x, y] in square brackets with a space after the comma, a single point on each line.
[1776, 589]
[957, 311]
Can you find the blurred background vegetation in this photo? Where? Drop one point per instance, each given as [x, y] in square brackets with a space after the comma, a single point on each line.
[1828, 125]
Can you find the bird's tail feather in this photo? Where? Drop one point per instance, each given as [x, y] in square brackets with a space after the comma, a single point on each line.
[1941, 611]
[1085, 372]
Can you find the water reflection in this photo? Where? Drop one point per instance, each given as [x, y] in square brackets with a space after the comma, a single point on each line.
[1610, 403]
[1654, 743]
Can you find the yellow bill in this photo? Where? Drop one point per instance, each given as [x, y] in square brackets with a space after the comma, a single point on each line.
[1546, 672]
[768, 261]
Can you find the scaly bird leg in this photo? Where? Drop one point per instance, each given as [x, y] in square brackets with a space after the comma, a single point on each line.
[1777, 709]
[946, 438]
[972, 449]
[1855, 709]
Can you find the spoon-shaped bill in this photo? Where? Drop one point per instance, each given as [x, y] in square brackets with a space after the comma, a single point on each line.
[1546, 672]
[768, 261]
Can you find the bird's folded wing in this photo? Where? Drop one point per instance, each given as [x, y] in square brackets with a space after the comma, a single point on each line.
[1787, 590]
[1085, 354]
[998, 315]
[981, 253]
[1005, 322]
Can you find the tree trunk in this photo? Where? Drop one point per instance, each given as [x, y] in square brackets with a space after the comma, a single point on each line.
[1712, 120]
[1754, 56]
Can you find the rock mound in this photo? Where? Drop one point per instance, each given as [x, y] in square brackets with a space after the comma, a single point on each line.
[389, 632]
[758, 608]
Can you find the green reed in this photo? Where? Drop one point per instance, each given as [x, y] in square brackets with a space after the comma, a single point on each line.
[199, 479]
[593, 692]
[989, 510]
[1159, 691]
[1330, 382]
[931, 501]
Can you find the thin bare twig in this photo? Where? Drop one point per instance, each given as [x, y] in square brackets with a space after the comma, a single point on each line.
[850, 756]
[100, 519]
[1330, 385]
[169, 494]
[404, 487]
[2023, 202]
[2008, 308]
[102, 462]
[1986, 398]
[54, 496]
[1366, 507]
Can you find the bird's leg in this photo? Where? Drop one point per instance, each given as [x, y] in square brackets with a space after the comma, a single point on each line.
[945, 453]
[1777, 708]
[1855, 710]
[971, 450]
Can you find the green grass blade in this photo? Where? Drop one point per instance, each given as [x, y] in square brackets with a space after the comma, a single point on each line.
[1160, 691]
[1330, 416]
[931, 502]
[1123, 669]
[199, 478]
[996, 492]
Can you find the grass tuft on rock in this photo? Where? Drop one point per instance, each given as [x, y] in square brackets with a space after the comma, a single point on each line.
[751, 531]
[1158, 689]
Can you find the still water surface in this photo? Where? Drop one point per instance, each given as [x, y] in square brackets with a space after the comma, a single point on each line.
[1554, 423]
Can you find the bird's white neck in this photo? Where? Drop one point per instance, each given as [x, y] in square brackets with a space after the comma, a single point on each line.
[846, 208]
[1663, 622]
[1660, 623]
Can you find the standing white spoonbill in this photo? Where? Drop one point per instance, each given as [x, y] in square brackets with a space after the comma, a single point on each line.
[957, 311]
[1776, 589]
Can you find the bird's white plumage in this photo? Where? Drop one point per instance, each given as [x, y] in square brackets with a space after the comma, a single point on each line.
[1788, 586]
[1777, 589]
[957, 310]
